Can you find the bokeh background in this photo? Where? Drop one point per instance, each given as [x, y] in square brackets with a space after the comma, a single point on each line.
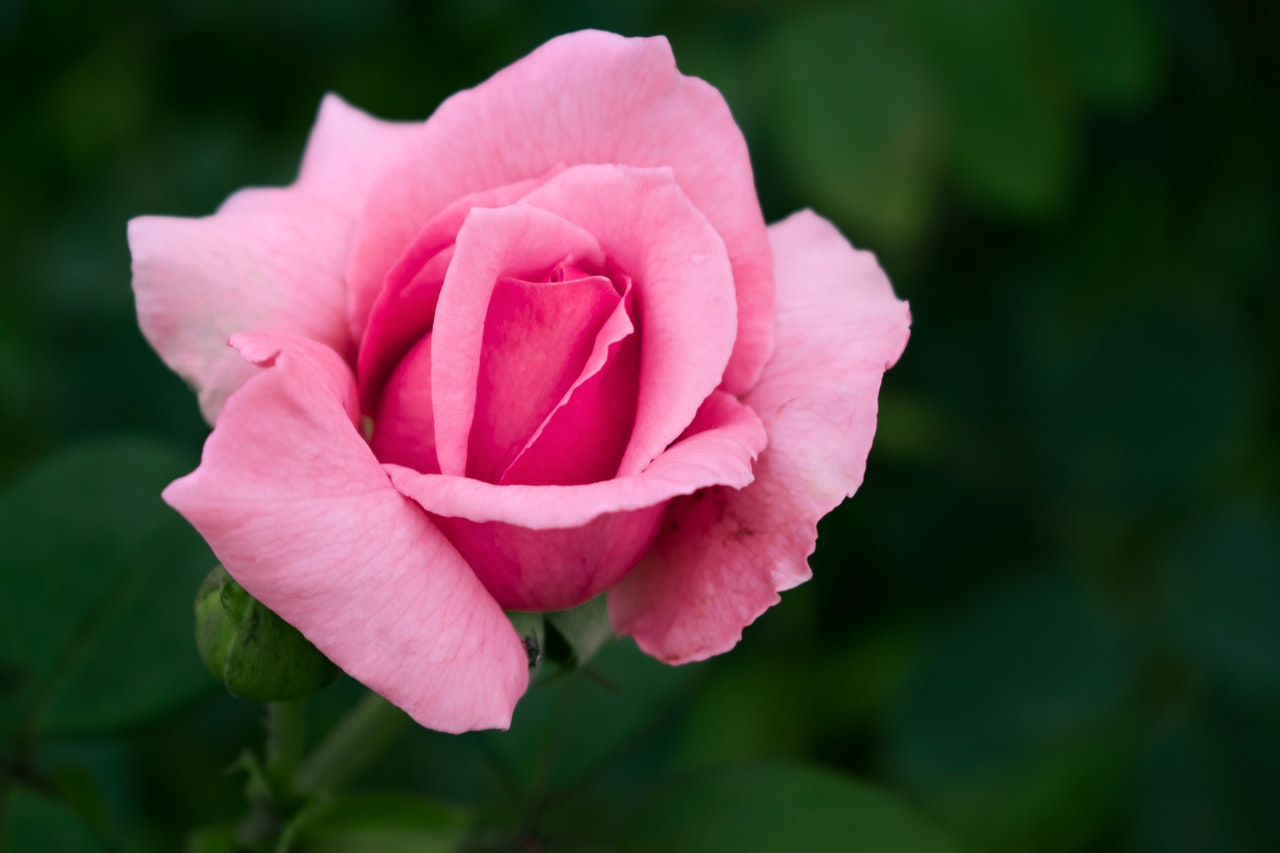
[1050, 619]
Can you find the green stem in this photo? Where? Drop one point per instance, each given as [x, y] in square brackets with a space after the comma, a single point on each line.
[356, 742]
[286, 738]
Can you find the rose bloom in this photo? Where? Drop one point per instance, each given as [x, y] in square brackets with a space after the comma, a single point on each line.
[537, 348]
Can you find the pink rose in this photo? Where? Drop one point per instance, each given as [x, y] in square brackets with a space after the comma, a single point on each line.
[536, 348]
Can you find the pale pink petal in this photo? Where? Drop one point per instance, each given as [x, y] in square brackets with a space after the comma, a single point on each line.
[199, 281]
[588, 97]
[518, 242]
[296, 507]
[537, 339]
[683, 286]
[724, 555]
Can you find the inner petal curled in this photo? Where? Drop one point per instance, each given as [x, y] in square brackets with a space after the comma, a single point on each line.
[538, 337]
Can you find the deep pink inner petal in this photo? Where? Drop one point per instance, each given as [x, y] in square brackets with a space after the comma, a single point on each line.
[582, 440]
[404, 430]
[514, 242]
[537, 339]
[402, 317]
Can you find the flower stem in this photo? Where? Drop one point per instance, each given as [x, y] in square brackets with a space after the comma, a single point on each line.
[286, 738]
[356, 742]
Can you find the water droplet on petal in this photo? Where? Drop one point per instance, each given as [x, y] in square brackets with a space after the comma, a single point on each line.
[697, 258]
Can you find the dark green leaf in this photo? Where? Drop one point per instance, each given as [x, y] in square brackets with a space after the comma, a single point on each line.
[859, 120]
[212, 839]
[1190, 800]
[95, 623]
[1009, 117]
[30, 821]
[779, 807]
[1110, 47]
[1013, 727]
[385, 823]
[1225, 599]
[580, 722]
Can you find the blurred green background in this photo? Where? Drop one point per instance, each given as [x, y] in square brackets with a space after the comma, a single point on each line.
[1049, 621]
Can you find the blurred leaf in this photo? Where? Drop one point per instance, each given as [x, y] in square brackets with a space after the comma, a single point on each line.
[778, 807]
[1009, 120]
[858, 119]
[385, 823]
[1189, 801]
[1110, 47]
[577, 724]
[212, 839]
[31, 821]
[95, 625]
[80, 789]
[1134, 412]
[1225, 599]
[1014, 724]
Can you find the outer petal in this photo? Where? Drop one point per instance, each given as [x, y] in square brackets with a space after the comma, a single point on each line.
[198, 281]
[271, 258]
[298, 510]
[588, 97]
[724, 555]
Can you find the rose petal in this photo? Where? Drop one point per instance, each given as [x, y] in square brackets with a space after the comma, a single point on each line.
[839, 327]
[295, 506]
[684, 297]
[584, 437]
[588, 97]
[518, 242]
[198, 281]
[405, 306]
[543, 570]
[537, 339]
[723, 440]
[404, 427]
[552, 547]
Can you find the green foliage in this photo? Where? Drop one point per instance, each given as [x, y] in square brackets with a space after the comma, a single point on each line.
[394, 824]
[778, 807]
[857, 114]
[92, 636]
[35, 822]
